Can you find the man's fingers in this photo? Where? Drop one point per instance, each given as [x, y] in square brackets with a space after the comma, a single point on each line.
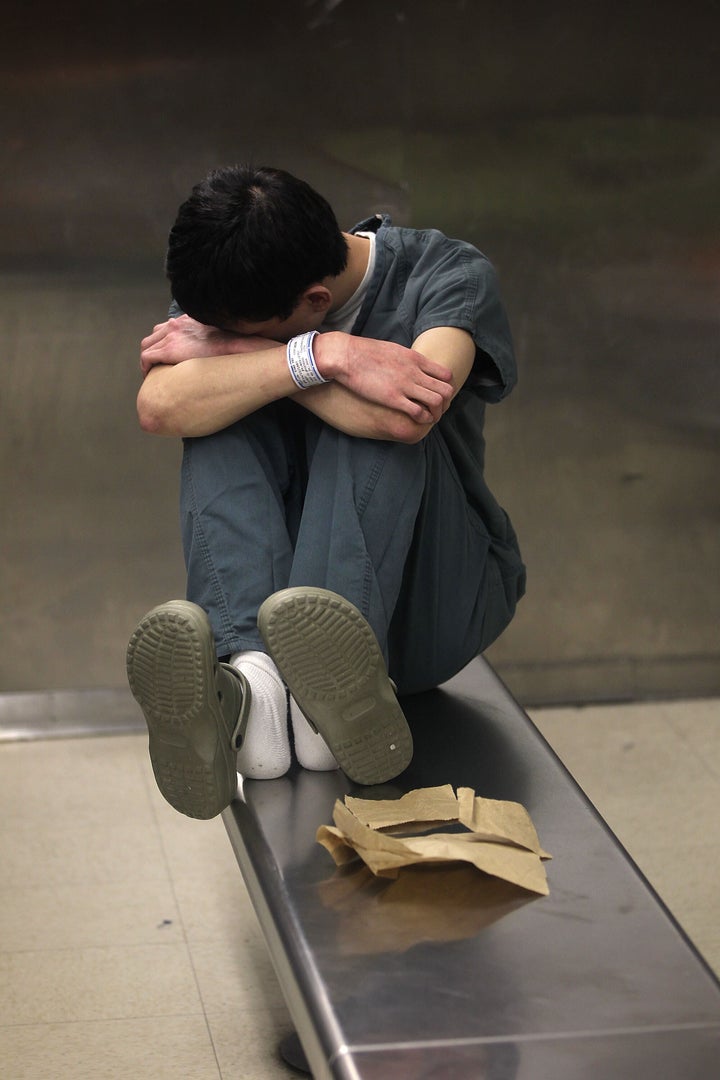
[158, 333]
[443, 374]
[148, 360]
[434, 369]
[421, 412]
[428, 416]
[436, 398]
[413, 409]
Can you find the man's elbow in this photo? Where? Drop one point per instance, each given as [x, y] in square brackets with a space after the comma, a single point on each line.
[405, 430]
[154, 413]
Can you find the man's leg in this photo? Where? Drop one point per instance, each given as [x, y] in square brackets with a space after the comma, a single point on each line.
[356, 528]
[358, 520]
[240, 500]
[240, 495]
[462, 579]
[245, 528]
[389, 526]
[379, 521]
[282, 499]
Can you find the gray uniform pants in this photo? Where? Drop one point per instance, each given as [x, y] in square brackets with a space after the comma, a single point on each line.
[281, 499]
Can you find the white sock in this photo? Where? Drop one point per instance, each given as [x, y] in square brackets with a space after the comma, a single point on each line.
[311, 750]
[265, 753]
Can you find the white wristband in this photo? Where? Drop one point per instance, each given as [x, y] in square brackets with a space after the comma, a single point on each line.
[301, 362]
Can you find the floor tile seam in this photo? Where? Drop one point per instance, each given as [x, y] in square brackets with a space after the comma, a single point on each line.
[85, 883]
[14, 828]
[223, 1016]
[631, 825]
[22, 737]
[97, 948]
[616, 761]
[713, 772]
[250, 1010]
[559, 735]
[51, 882]
[585, 711]
[644, 804]
[672, 848]
[83, 1021]
[226, 938]
[640, 788]
[211, 1038]
[211, 876]
[83, 946]
[186, 934]
[89, 1016]
[631, 835]
[204, 1011]
[160, 835]
[612, 774]
[102, 891]
[124, 742]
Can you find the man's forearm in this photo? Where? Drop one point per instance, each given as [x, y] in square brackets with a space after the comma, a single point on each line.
[342, 409]
[376, 389]
[206, 394]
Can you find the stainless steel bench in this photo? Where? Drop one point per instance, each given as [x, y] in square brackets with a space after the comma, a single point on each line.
[449, 974]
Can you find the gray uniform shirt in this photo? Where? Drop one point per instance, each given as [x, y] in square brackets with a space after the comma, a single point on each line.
[423, 279]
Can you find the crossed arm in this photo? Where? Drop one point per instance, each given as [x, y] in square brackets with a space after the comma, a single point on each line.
[199, 380]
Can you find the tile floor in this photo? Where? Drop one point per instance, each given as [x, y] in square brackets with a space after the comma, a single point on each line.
[128, 947]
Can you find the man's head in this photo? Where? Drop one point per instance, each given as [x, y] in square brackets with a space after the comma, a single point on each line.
[247, 244]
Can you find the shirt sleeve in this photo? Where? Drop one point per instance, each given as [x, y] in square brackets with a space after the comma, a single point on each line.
[458, 286]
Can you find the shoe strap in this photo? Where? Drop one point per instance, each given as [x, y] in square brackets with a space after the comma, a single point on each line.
[238, 734]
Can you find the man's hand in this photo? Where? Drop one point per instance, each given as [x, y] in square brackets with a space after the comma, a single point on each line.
[386, 374]
[367, 403]
[183, 338]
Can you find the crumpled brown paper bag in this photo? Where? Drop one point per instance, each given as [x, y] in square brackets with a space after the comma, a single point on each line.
[500, 839]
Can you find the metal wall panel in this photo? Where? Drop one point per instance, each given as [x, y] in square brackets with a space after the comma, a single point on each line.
[578, 148]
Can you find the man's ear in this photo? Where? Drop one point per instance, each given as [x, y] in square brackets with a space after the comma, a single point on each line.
[318, 297]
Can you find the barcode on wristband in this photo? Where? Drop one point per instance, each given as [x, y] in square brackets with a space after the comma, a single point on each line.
[301, 361]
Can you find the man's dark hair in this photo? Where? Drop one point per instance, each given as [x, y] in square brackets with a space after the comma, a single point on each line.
[248, 242]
